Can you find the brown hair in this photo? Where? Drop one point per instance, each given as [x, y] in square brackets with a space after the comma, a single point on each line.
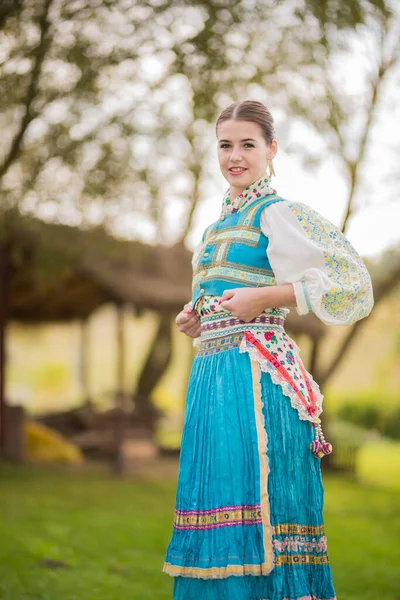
[251, 110]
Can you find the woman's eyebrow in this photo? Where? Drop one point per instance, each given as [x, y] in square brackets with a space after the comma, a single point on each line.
[245, 140]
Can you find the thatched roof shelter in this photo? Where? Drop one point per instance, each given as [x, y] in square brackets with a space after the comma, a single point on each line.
[61, 273]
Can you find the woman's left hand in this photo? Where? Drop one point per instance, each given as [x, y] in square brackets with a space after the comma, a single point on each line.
[244, 303]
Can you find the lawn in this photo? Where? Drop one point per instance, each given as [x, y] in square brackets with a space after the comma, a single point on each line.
[107, 537]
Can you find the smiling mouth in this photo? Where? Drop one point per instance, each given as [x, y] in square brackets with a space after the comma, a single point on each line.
[237, 170]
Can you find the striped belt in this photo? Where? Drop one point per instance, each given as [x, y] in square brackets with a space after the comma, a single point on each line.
[223, 329]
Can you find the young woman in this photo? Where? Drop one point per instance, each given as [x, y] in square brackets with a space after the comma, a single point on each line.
[248, 519]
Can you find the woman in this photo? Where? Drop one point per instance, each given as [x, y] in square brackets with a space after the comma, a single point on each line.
[248, 519]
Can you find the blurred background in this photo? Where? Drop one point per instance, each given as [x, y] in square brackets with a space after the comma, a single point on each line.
[108, 177]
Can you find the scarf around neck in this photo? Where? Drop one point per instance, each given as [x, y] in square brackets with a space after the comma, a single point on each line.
[259, 188]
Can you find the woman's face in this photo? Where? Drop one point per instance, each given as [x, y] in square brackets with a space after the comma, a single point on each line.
[243, 153]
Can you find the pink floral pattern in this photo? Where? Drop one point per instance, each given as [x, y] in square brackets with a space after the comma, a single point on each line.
[257, 189]
[208, 305]
[270, 336]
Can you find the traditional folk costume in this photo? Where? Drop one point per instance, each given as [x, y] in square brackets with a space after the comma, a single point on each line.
[248, 520]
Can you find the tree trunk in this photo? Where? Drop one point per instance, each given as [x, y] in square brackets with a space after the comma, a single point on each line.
[157, 362]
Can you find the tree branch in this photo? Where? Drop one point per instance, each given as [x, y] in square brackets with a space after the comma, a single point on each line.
[195, 165]
[383, 67]
[195, 202]
[32, 91]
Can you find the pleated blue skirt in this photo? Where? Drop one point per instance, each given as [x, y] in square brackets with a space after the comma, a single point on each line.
[248, 521]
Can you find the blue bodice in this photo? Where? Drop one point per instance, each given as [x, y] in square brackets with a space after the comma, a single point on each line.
[234, 252]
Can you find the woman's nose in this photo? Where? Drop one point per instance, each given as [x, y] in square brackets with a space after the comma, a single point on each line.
[236, 154]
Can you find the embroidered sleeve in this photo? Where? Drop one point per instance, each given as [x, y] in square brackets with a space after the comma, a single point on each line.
[328, 276]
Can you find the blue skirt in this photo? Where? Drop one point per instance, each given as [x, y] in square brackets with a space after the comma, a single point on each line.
[248, 521]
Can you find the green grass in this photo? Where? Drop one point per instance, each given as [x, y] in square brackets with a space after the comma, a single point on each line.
[112, 535]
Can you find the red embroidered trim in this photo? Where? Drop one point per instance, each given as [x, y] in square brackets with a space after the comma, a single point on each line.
[310, 404]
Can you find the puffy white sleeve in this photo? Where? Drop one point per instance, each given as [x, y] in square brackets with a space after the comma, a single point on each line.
[328, 276]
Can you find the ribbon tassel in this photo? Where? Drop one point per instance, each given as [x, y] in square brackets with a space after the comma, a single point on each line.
[320, 447]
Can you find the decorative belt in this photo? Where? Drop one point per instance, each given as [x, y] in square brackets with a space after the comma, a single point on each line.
[221, 331]
[219, 322]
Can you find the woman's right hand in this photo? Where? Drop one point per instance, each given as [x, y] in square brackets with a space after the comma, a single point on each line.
[188, 322]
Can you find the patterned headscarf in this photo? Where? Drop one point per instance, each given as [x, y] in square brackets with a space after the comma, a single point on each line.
[257, 189]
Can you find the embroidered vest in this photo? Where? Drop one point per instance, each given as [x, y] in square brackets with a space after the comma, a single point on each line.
[234, 253]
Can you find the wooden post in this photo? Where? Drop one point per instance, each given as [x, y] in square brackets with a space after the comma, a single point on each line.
[119, 463]
[4, 286]
[84, 360]
[14, 442]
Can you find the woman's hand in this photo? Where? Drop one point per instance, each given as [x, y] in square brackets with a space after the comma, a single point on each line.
[244, 303]
[248, 303]
[188, 322]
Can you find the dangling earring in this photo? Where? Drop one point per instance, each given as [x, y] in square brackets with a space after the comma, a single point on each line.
[271, 168]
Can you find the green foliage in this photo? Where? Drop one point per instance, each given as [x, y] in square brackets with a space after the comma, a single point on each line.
[363, 453]
[117, 98]
[75, 536]
[370, 397]
[392, 425]
[345, 434]
[381, 416]
[363, 415]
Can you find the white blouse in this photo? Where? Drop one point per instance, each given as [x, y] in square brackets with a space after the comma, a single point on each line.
[328, 276]
[308, 251]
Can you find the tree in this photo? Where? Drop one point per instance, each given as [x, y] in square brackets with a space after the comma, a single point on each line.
[346, 121]
[109, 105]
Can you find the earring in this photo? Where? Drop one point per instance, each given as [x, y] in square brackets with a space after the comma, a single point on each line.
[271, 168]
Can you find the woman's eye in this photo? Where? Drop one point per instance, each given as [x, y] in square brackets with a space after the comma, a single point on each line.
[247, 145]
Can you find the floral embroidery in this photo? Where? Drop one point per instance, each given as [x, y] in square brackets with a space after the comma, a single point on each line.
[301, 393]
[290, 357]
[301, 543]
[350, 297]
[208, 305]
[270, 336]
[257, 189]
[291, 543]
